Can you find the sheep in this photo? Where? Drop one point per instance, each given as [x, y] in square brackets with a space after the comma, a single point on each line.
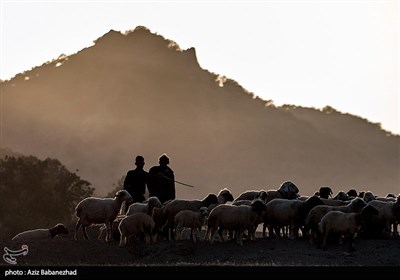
[223, 196]
[93, 210]
[325, 192]
[248, 195]
[43, 233]
[262, 195]
[144, 207]
[177, 205]
[235, 218]
[334, 202]
[389, 214]
[287, 190]
[136, 225]
[341, 196]
[292, 213]
[316, 214]
[369, 196]
[346, 224]
[190, 219]
[352, 193]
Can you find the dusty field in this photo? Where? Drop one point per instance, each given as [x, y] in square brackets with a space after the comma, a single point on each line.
[281, 252]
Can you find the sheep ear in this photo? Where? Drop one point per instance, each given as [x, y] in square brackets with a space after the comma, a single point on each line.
[118, 194]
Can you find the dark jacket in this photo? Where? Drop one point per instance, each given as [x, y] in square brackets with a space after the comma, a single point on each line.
[161, 183]
[135, 184]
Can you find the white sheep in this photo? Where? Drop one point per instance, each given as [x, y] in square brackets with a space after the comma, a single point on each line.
[236, 219]
[145, 206]
[136, 225]
[285, 212]
[194, 220]
[42, 233]
[345, 224]
[94, 210]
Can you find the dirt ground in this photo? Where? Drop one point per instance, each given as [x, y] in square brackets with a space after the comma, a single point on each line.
[277, 252]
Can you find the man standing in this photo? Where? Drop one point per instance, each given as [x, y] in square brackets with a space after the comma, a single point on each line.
[136, 180]
[161, 181]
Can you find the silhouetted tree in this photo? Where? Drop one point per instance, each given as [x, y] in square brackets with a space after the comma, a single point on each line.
[118, 186]
[37, 193]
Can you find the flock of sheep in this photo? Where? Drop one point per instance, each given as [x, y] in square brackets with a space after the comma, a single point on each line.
[283, 212]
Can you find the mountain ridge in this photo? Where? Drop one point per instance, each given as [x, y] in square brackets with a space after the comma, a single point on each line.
[139, 93]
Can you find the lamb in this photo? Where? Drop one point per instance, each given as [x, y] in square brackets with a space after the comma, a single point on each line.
[144, 207]
[136, 225]
[190, 219]
[40, 234]
[316, 214]
[235, 218]
[177, 205]
[292, 213]
[346, 224]
[93, 210]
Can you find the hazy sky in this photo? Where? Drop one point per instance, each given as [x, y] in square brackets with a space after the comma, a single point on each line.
[311, 53]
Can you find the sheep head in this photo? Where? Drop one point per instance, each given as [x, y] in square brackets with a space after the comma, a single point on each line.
[123, 195]
[209, 199]
[325, 192]
[226, 195]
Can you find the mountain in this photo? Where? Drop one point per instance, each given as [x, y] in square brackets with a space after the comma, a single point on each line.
[139, 93]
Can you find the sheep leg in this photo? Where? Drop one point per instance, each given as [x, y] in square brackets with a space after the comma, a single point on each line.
[191, 234]
[101, 233]
[198, 230]
[264, 228]
[324, 241]
[213, 233]
[109, 226]
[207, 234]
[147, 238]
[221, 233]
[239, 237]
[84, 232]
[351, 244]
[122, 241]
[78, 224]
[178, 233]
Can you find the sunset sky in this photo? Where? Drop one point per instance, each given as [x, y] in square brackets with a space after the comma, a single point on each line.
[310, 53]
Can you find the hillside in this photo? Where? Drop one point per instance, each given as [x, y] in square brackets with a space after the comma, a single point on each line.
[139, 93]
